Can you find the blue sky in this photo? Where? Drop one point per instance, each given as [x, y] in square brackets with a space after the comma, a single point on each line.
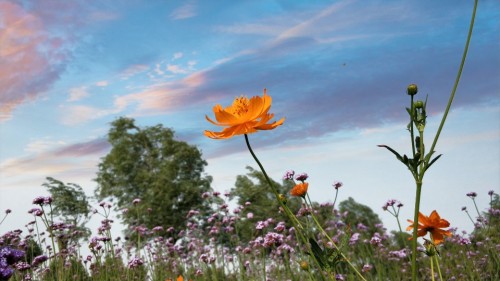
[337, 70]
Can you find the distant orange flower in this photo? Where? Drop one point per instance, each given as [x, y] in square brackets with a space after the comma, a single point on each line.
[179, 278]
[299, 189]
[432, 224]
[244, 116]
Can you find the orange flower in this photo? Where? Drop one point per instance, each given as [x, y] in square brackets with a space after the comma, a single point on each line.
[432, 224]
[244, 116]
[299, 189]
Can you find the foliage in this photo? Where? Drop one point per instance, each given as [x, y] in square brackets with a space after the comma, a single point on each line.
[252, 192]
[149, 164]
[70, 203]
[358, 213]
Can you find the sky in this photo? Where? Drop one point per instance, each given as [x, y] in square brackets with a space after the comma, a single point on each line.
[336, 70]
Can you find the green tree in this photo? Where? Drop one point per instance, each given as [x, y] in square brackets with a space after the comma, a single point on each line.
[167, 175]
[359, 213]
[253, 188]
[71, 204]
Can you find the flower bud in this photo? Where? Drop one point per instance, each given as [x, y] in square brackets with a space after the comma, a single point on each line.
[282, 198]
[412, 90]
[419, 104]
[304, 265]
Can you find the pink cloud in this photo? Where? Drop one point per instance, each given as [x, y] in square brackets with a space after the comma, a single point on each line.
[163, 97]
[184, 12]
[74, 159]
[31, 60]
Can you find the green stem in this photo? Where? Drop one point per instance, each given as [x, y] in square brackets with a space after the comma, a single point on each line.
[457, 80]
[331, 240]
[262, 168]
[432, 269]
[412, 135]
[438, 268]
[414, 243]
[264, 265]
[480, 218]
[335, 200]
[296, 224]
[473, 223]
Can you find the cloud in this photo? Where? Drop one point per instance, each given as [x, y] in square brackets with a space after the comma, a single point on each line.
[78, 93]
[133, 70]
[31, 59]
[41, 145]
[163, 97]
[80, 114]
[184, 12]
[176, 69]
[54, 159]
[103, 83]
[177, 56]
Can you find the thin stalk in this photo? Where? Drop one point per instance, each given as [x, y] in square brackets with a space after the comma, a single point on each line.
[415, 230]
[457, 80]
[432, 269]
[480, 218]
[335, 200]
[412, 136]
[264, 265]
[473, 223]
[294, 220]
[438, 268]
[331, 240]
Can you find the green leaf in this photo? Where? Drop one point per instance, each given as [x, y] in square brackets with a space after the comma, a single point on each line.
[432, 162]
[317, 252]
[393, 151]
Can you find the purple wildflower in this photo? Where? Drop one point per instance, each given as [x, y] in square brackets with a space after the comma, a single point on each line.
[366, 268]
[472, 194]
[39, 200]
[38, 260]
[301, 177]
[337, 184]
[135, 262]
[289, 175]
[354, 238]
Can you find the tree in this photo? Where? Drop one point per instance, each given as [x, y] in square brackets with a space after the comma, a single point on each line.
[359, 213]
[148, 164]
[71, 204]
[253, 188]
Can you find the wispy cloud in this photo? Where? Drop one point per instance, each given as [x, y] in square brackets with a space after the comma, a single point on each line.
[78, 93]
[185, 11]
[102, 83]
[80, 114]
[54, 158]
[133, 70]
[177, 56]
[28, 55]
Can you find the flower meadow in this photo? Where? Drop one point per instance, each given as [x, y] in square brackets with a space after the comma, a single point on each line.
[49, 250]
[295, 239]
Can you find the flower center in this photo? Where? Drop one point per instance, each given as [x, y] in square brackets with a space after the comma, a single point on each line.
[240, 106]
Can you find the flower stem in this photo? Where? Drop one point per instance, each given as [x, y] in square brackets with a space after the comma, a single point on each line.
[438, 268]
[457, 80]
[432, 269]
[331, 240]
[296, 224]
[414, 243]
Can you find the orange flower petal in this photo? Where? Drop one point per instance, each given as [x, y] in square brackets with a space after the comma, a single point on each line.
[299, 189]
[433, 224]
[243, 116]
